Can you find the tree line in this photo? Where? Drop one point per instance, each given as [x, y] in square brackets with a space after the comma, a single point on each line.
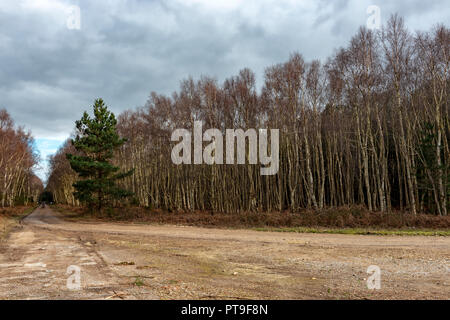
[18, 183]
[369, 127]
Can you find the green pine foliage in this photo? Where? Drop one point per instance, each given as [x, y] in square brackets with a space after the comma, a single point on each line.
[427, 169]
[96, 141]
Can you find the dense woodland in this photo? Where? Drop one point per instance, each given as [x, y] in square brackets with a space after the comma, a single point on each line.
[18, 184]
[369, 127]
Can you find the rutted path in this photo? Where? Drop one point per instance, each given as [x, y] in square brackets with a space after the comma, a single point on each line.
[130, 261]
[34, 264]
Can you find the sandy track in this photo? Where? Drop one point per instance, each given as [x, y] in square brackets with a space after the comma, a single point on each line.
[129, 261]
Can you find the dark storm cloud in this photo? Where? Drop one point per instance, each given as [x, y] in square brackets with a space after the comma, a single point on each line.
[126, 49]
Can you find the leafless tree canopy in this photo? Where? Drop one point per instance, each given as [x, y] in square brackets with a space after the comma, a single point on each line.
[18, 183]
[370, 127]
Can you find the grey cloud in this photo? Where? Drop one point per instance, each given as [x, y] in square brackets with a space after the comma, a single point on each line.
[126, 49]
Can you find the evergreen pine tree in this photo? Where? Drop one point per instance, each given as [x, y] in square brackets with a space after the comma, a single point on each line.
[96, 140]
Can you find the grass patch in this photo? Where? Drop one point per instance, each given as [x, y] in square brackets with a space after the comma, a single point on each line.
[139, 282]
[400, 232]
[125, 263]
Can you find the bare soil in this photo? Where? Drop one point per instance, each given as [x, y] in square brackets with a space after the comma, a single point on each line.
[132, 261]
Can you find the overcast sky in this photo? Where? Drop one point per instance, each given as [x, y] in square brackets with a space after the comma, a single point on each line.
[51, 71]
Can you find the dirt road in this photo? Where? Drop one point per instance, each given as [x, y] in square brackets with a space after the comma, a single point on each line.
[130, 261]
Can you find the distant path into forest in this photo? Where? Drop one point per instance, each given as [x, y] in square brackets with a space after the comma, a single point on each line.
[135, 261]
